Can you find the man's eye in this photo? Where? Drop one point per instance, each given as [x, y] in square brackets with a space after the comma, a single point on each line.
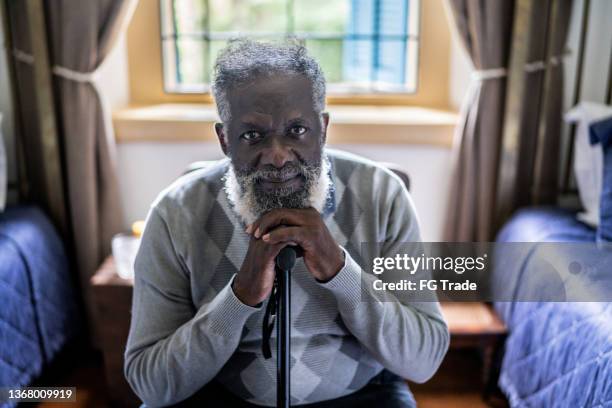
[251, 136]
[297, 130]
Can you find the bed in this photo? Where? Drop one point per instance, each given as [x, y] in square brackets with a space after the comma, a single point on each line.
[39, 312]
[557, 354]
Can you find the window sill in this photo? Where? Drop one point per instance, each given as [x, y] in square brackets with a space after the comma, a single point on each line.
[348, 124]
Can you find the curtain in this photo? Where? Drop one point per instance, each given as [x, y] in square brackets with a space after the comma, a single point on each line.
[35, 119]
[487, 187]
[531, 154]
[80, 34]
[537, 181]
[484, 27]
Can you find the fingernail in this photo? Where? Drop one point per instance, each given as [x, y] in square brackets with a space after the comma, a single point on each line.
[257, 233]
[266, 237]
[248, 229]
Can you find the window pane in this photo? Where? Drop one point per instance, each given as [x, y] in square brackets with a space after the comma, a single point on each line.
[329, 55]
[259, 16]
[188, 66]
[189, 17]
[392, 17]
[320, 16]
[389, 64]
[357, 63]
[361, 17]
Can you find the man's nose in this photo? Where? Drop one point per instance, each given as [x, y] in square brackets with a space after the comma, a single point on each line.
[277, 154]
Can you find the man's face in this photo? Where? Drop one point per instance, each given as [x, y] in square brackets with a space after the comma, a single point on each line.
[274, 139]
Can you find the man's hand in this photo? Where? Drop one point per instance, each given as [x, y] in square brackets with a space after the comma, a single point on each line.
[255, 279]
[304, 227]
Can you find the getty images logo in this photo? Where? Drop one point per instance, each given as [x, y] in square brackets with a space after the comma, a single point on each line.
[413, 264]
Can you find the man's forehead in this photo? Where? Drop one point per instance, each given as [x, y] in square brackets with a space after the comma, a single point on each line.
[265, 95]
[267, 118]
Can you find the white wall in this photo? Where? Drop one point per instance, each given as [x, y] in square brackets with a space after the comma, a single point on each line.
[147, 168]
[114, 75]
[429, 169]
[461, 69]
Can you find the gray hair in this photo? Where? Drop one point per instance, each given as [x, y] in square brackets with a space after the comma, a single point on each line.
[243, 60]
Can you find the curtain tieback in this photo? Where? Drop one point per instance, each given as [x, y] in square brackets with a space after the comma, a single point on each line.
[22, 56]
[63, 72]
[541, 65]
[491, 73]
[77, 76]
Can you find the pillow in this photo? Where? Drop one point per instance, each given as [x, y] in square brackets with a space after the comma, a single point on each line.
[588, 158]
[3, 170]
[601, 133]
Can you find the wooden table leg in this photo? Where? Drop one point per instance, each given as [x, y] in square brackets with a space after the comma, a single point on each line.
[494, 353]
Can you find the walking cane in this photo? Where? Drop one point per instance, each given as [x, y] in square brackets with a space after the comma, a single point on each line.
[279, 306]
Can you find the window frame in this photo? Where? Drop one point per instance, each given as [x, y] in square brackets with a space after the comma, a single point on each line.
[145, 64]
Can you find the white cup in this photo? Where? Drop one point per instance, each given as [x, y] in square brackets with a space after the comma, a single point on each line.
[125, 247]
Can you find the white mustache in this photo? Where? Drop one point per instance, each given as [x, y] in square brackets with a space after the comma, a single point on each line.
[249, 202]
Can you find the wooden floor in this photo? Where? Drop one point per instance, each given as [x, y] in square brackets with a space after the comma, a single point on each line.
[457, 384]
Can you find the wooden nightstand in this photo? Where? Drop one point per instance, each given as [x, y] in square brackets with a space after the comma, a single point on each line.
[112, 296]
[477, 325]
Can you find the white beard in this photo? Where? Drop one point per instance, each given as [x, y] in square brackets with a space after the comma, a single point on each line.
[245, 204]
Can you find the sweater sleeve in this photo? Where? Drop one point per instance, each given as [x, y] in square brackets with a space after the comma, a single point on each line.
[175, 347]
[409, 338]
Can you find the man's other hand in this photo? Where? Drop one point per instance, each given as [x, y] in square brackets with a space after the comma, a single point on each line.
[323, 257]
[255, 279]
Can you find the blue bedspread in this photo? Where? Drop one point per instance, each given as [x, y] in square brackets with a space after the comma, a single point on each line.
[38, 308]
[558, 354]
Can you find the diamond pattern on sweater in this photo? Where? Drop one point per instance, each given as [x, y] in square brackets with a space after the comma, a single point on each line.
[236, 366]
[219, 227]
[363, 374]
[223, 273]
[334, 380]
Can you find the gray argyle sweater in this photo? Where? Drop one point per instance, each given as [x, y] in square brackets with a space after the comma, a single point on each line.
[188, 327]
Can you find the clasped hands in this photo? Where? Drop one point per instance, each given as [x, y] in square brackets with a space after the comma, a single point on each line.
[275, 230]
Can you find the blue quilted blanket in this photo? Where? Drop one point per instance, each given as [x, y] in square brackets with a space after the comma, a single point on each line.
[38, 312]
[558, 354]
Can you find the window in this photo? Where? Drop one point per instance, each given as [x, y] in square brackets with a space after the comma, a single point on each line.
[363, 46]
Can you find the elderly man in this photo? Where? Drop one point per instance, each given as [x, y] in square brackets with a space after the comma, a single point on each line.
[205, 268]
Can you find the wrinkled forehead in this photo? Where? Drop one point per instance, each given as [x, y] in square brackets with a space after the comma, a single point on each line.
[272, 96]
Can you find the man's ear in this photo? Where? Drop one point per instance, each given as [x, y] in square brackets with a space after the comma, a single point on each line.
[325, 117]
[222, 138]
